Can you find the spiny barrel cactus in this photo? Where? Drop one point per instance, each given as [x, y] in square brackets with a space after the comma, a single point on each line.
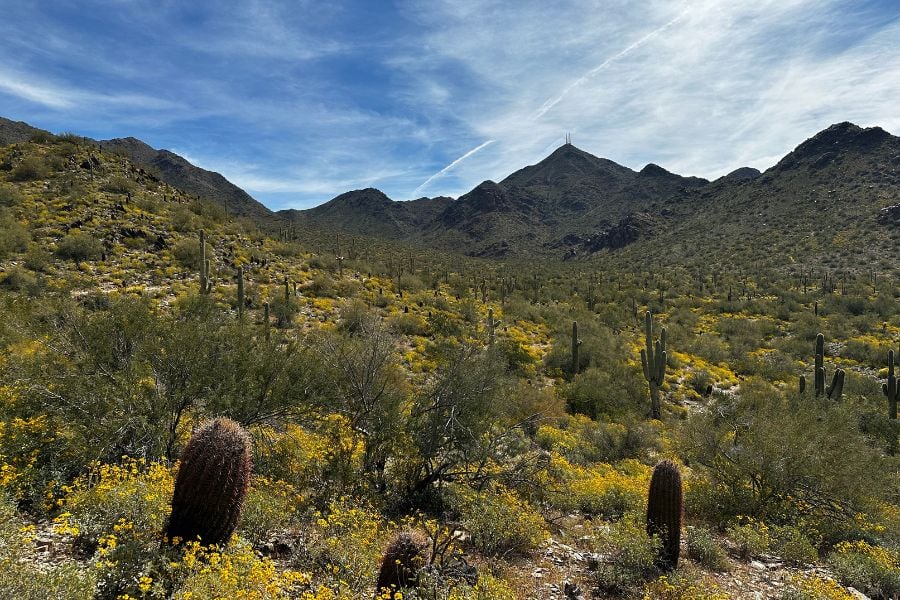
[653, 361]
[664, 509]
[211, 484]
[406, 555]
[837, 386]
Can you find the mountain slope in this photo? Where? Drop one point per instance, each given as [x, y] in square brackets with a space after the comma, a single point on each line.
[170, 167]
[179, 172]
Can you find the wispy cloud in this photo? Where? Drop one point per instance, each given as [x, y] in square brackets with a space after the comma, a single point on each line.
[450, 167]
[300, 101]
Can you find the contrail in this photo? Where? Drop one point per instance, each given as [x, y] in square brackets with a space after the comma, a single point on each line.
[554, 101]
[450, 166]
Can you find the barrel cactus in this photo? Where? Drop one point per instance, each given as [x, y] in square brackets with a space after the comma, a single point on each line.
[664, 509]
[211, 484]
[406, 555]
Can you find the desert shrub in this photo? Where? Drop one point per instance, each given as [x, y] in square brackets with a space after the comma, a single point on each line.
[30, 169]
[26, 580]
[815, 587]
[344, 545]
[871, 569]
[234, 572]
[607, 392]
[499, 522]
[20, 280]
[765, 455]
[37, 257]
[270, 507]
[751, 538]
[793, 546]
[79, 246]
[678, 586]
[632, 554]
[408, 324]
[187, 253]
[119, 185]
[704, 548]
[10, 195]
[14, 237]
[29, 450]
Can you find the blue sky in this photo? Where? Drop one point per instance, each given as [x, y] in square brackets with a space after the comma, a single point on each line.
[299, 101]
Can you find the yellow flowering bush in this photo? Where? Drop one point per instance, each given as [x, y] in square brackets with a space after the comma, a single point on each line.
[344, 546]
[872, 569]
[668, 587]
[133, 495]
[270, 506]
[815, 587]
[498, 521]
[26, 449]
[208, 572]
[600, 489]
[751, 537]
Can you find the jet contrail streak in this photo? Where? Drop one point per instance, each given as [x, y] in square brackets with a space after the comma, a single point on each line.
[450, 166]
[554, 101]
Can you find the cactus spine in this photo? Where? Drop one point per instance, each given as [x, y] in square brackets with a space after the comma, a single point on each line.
[890, 388]
[211, 484]
[205, 282]
[576, 344]
[653, 361]
[664, 508]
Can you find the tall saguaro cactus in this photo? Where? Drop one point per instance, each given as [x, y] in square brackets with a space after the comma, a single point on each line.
[664, 508]
[492, 325]
[576, 344]
[820, 366]
[205, 282]
[653, 361]
[891, 389]
[240, 292]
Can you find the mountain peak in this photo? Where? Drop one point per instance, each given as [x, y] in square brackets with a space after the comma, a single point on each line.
[842, 136]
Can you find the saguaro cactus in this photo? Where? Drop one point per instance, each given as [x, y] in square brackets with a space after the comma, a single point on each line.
[836, 389]
[576, 344]
[205, 282]
[240, 291]
[211, 484]
[664, 508]
[653, 361]
[820, 366]
[492, 325]
[890, 389]
[404, 557]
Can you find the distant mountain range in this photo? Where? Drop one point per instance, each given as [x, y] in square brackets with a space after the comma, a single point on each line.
[575, 205]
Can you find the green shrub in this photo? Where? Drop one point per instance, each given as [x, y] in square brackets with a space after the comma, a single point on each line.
[871, 569]
[751, 538]
[499, 522]
[632, 555]
[30, 169]
[793, 546]
[704, 548]
[120, 185]
[79, 246]
[14, 236]
[10, 195]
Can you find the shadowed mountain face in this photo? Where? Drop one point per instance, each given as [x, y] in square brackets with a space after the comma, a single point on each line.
[573, 205]
[542, 209]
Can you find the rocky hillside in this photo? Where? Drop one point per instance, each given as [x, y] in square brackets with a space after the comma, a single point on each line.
[169, 167]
